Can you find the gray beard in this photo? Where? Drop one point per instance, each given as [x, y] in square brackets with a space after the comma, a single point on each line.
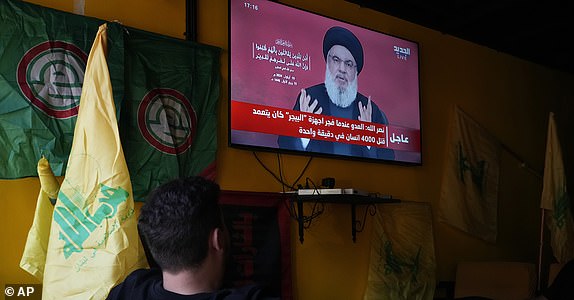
[342, 97]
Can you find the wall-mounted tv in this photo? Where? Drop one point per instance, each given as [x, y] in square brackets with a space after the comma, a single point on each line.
[308, 84]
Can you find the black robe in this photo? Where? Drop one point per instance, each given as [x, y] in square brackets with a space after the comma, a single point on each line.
[319, 92]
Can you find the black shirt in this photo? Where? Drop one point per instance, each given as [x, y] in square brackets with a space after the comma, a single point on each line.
[148, 284]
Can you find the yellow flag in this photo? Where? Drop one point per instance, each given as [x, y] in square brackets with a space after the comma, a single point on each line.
[469, 191]
[402, 261]
[34, 256]
[93, 238]
[555, 200]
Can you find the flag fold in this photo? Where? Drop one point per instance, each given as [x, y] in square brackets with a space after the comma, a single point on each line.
[402, 262]
[34, 256]
[469, 192]
[555, 200]
[93, 241]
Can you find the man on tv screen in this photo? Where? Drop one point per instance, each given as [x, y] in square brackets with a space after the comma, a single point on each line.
[338, 96]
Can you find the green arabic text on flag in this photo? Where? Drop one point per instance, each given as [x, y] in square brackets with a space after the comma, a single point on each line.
[402, 262]
[469, 191]
[93, 242]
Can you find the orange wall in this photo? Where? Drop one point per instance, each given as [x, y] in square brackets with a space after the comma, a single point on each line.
[509, 97]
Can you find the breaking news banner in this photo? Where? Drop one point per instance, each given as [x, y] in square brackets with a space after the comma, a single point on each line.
[23, 291]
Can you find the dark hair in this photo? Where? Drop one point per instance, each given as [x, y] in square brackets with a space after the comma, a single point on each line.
[176, 221]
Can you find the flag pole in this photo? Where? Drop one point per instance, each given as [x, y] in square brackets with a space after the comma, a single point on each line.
[541, 245]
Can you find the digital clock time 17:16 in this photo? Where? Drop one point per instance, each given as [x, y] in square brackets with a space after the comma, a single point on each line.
[251, 6]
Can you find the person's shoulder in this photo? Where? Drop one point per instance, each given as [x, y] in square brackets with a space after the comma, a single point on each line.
[248, 292]
[141, 276]
[139, 282]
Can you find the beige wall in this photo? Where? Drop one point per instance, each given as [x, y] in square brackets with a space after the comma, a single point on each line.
[509, 97]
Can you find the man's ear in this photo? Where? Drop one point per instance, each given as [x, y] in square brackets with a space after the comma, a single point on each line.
[218, 239]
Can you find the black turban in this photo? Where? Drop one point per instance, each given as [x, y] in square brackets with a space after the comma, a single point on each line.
[341, 36]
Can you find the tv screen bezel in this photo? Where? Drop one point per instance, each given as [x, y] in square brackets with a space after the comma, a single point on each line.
[321, 154]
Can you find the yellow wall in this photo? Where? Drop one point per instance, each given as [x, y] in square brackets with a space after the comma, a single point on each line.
[510, 97]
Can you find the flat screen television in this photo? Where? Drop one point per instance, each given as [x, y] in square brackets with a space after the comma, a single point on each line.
[304, 83]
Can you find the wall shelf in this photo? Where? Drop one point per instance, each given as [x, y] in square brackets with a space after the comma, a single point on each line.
[352, 200]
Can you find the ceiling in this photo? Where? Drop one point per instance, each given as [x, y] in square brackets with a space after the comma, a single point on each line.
[538, 32]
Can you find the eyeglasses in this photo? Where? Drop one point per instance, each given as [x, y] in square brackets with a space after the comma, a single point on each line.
[349, 64]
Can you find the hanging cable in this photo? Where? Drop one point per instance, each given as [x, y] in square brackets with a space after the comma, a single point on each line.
[279, 178]
[315, 212]
[283, 184]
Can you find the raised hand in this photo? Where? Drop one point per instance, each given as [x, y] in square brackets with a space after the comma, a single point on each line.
[305, 104]
[365, 112]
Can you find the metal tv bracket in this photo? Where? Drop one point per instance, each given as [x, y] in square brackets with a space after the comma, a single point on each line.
[343, 196]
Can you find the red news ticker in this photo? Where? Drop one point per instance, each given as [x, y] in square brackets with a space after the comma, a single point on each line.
[273, 120]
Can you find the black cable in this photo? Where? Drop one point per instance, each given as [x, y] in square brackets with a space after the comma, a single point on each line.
[290, 208]
[281, 172]
[315, 212]
[271, 172]
[303, 171]
[280, 177]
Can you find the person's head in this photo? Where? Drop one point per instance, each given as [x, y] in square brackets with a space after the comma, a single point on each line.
[181, 222]
[344, 61]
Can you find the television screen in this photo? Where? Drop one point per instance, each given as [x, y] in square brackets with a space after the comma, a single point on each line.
[304, 83]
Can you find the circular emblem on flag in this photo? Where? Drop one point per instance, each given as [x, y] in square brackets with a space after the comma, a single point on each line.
[167, 120]
[50, 76]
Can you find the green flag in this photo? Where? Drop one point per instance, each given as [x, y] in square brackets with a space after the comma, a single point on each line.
[43, 53]
[169, 118]
[555, 200]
